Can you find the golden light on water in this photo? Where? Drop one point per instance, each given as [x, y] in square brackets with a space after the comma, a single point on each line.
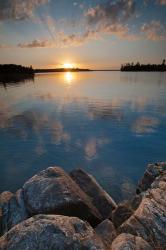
[69, 77]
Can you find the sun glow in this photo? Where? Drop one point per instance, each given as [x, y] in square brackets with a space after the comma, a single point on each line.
[68, 65]
[69, 77]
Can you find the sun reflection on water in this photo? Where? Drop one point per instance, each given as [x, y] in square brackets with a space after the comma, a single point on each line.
[69, 77]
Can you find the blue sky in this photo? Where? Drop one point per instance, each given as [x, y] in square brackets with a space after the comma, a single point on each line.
[88, 33]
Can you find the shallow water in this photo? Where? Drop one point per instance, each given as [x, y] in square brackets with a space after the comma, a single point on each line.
[109, 123]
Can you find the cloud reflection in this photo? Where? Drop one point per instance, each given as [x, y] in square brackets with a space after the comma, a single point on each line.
[145, 125]
[92, 147]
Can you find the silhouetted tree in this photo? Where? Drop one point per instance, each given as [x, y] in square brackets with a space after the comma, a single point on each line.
[144, 67]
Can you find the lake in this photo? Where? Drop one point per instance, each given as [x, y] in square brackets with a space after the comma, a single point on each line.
[112, 124]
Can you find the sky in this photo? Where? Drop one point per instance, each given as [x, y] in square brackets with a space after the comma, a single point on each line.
[96, 34]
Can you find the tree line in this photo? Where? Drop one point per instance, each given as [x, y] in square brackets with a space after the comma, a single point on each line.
[15, 69]
[144, 67]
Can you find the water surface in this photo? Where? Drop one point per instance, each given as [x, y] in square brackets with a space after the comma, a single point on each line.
[109, 123]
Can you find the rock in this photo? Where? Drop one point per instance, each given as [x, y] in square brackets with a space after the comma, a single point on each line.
[125, 210]
[121, 213]
[52, 191]
[130, 242]
[100, 198]
[46, 232]
[135, 201]
[107, 232]
[149, 220]
[152, 171]
[12, 209]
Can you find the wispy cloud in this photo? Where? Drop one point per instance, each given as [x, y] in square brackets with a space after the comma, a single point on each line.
[154, 31]
[36, 44]
[62, 40]
[18, 9]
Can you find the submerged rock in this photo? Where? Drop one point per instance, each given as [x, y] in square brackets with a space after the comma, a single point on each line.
[52, 191]
[130, 242]
[12, 209]
[47, 232]
[99, 197]
[149, 220]
[107, 232]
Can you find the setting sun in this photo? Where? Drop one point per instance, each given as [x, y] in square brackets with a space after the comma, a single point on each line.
[68, 65]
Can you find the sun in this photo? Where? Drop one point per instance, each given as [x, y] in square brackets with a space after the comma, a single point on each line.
[68, 65]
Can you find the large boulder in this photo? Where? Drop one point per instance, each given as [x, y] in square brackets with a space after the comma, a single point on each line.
[52, 191]
[149, 219]
[107, 232]
[12, 210]
[46, 232]
[152, 171]
[99, 197]
[130, 242]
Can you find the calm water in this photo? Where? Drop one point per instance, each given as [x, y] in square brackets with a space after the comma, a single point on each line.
[109, 123]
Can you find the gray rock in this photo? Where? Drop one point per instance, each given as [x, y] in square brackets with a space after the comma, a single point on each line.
[51, 232]
[149, 220]
[100, 198]
[107, 232]
[12, 209]
[52, 191]
[152, 171]
[130, 242]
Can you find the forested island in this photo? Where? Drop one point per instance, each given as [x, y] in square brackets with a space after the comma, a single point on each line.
[12, 74]
[15, 69]
[144, 67]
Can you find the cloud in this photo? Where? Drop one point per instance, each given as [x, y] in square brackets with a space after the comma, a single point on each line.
[110, 18]
[111, 12]
[154, 31]
[62, 40]
[19, 9]
[3, 46]
[36, 44]
[161, 2]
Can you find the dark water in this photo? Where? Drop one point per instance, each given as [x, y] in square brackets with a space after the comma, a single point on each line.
[110, 123]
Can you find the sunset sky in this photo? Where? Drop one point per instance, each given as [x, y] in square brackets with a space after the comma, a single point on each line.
[98, 34]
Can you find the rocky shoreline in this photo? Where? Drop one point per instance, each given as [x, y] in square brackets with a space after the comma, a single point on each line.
[56, 210]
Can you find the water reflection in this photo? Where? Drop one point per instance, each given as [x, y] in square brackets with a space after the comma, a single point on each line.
[145, 125]
[15, 79]
[96, 125]
[69, 77]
